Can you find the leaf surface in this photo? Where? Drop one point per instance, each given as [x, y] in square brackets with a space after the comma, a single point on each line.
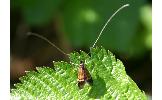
[110, 81]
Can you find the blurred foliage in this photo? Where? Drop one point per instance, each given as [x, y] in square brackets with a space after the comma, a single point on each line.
[37, 12]
[146, 19]
[119, 33]
[83, 20]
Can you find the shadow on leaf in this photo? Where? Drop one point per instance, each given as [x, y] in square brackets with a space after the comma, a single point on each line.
[98, 89]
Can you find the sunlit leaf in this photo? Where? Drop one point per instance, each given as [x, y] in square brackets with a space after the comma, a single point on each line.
[110, 81]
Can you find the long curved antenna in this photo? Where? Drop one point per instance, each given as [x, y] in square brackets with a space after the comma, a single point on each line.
[126, 5]
[39, 36]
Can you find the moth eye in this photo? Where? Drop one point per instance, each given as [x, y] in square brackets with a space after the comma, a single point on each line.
[81, 62]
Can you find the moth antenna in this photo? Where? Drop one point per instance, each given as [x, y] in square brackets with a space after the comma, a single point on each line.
[126, 5]
[42, 37]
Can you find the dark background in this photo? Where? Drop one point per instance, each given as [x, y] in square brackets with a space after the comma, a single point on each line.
[73, 25]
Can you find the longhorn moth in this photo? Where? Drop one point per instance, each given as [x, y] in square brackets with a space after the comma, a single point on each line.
[83, 74]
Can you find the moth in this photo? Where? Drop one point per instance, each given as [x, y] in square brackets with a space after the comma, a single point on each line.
[83, 74]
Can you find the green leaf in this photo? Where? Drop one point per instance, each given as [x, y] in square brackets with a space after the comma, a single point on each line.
[110, 80]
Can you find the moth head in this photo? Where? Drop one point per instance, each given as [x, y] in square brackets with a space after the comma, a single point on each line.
[81, 64]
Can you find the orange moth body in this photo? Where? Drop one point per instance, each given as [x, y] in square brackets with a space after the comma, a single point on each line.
[83, 76]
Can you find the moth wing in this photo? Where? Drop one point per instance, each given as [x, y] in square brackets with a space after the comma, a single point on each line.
[81, 75]
[88, 77]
